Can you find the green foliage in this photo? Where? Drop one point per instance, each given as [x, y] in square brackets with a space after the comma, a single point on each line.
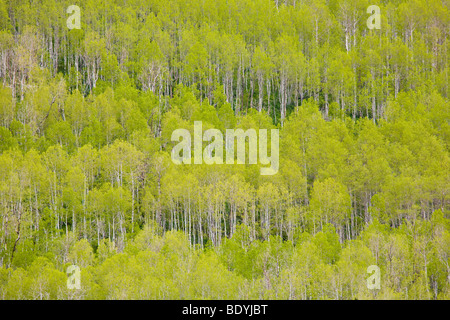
[86, 178]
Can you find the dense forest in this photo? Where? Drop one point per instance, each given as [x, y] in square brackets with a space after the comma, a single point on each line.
[86, 176]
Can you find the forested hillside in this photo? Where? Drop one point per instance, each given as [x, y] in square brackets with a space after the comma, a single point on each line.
[86, 176]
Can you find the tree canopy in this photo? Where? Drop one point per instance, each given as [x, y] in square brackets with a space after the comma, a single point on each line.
[86, 176]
